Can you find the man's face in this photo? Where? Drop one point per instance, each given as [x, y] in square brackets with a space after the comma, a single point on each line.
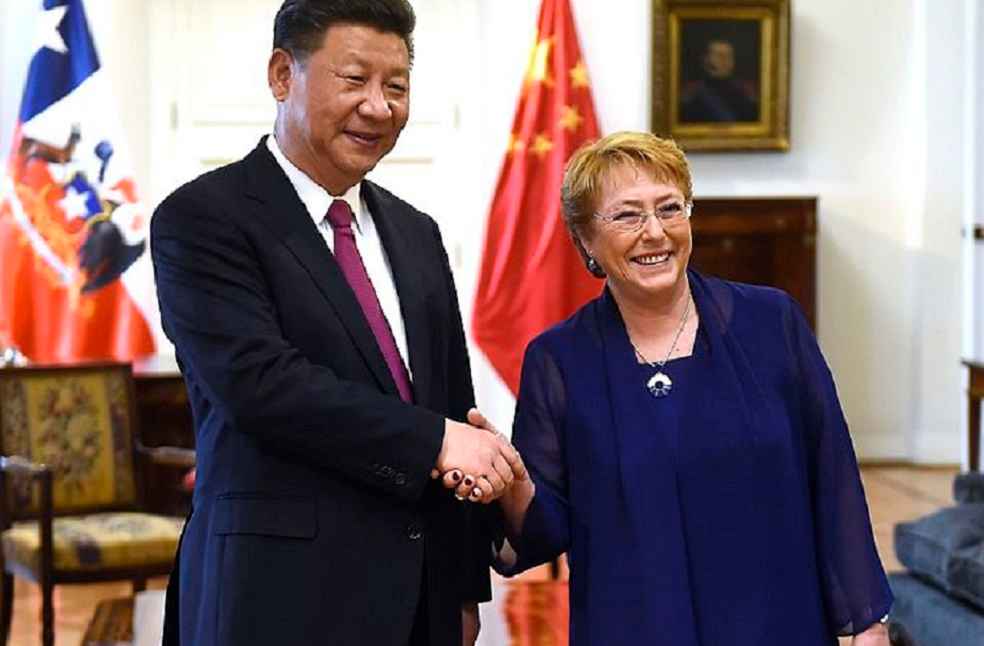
[344, 107]
[719, 62]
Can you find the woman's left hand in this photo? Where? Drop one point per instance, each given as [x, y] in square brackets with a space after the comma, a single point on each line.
[876, 635]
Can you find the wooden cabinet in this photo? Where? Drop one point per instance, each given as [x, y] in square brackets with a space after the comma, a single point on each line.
[164, 416]
[759, 240]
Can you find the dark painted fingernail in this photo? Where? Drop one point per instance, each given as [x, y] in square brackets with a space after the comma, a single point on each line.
[468, 481]
[455, 476]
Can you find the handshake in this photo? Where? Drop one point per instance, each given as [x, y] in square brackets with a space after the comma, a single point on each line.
[476, 460]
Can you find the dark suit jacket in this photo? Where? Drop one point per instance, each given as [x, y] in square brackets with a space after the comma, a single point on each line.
[314, 519]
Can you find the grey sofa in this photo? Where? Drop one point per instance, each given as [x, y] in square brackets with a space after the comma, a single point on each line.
[940, 599]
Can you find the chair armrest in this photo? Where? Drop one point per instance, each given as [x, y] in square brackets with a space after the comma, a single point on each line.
[169, 456]
[19, 466]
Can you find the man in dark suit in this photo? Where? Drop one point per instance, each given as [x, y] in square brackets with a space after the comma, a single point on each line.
[317, 327]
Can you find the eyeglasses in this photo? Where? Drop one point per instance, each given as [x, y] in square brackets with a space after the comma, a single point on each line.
[632, 220]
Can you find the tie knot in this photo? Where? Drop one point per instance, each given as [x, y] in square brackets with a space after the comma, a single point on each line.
[340, 215]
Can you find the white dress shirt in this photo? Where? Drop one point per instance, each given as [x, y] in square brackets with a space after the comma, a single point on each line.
[317, 200]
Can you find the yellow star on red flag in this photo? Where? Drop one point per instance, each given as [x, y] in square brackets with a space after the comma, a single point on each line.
[570, 118]
[538, 69]
[579, 75]
[516, 145]
[541, 146]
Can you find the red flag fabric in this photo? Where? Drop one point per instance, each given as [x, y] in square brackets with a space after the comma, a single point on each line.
[538, 613]
[76, 282]
[531, 275]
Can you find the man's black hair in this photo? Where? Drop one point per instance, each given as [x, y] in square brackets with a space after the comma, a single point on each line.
[300, 25]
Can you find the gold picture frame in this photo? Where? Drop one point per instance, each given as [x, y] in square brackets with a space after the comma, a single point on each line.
[720, 73]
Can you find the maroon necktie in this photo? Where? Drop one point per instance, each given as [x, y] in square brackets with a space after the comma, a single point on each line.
[347, 255]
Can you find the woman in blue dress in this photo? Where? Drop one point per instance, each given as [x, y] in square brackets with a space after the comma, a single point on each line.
[686, 444]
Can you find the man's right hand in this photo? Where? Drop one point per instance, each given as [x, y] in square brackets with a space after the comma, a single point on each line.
[484, 455]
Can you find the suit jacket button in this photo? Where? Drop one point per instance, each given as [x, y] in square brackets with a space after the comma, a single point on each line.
[414, 532]
[400, 480]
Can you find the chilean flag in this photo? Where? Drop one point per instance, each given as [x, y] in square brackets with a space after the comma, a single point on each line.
[76, 282]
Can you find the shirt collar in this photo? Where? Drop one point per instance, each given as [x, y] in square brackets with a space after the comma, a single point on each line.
[314, 197]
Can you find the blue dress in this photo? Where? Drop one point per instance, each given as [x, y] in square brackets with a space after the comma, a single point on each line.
[728, 513]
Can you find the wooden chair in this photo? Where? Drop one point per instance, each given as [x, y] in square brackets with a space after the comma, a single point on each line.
[71, 430]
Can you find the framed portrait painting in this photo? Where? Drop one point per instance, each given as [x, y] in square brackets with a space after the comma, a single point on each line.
[721, 73]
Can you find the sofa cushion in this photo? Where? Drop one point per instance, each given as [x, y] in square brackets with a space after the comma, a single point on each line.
[926, 546]
[969, 487]
[967, 575]
[932, 617]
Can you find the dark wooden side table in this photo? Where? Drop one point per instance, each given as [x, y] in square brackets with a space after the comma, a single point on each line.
[975, 393]
[760, 240]
[112, 624]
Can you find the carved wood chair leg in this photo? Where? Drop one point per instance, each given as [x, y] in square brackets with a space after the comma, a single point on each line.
[6, 607]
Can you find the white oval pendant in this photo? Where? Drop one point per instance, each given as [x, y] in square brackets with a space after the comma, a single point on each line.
[660, 385]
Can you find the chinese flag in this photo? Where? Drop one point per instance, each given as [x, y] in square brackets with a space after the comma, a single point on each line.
[531, 275]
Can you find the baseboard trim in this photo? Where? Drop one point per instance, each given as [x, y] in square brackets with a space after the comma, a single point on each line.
[909, 464]
[915, 447]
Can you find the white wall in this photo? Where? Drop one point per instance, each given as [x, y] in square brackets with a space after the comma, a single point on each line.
[882, 113]
[15, 50]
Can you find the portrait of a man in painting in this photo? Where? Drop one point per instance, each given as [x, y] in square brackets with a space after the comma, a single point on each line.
[720, 71]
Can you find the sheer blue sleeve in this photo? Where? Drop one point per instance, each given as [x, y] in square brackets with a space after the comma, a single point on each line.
[855, 590]
[538, 435]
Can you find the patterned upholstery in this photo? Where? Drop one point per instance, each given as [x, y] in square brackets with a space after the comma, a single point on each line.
[79, 424]
[96, 541]
[70, 431]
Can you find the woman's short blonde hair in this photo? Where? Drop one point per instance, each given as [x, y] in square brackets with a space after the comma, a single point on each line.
[590, 166]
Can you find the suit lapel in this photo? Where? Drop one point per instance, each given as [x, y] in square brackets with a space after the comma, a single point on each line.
[285, 215]
[394, 236]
